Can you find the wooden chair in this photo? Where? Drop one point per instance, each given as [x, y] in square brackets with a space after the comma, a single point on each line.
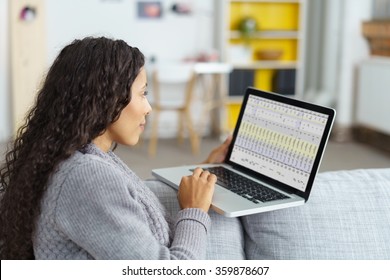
[180, 74]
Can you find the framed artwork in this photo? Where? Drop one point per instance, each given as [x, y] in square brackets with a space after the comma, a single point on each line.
[149, 9]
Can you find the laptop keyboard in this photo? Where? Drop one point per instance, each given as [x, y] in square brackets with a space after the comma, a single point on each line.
[245, 187]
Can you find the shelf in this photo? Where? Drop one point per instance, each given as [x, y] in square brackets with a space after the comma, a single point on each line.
[266, 64]
[265, 1]
[280, 25]
[268, 34]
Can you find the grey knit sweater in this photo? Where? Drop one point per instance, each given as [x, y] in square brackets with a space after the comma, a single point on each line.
[97, 208]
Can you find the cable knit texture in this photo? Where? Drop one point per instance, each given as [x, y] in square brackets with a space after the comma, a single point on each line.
[95, 207]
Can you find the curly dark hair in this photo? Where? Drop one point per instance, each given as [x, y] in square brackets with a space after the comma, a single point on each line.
[84, 91]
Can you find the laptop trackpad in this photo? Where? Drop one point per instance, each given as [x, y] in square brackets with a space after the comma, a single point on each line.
[223, 196]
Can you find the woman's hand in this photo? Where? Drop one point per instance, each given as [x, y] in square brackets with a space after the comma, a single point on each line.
[196, 190]
[218, 155]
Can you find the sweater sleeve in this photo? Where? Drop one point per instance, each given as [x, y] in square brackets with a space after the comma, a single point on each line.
[96, 210]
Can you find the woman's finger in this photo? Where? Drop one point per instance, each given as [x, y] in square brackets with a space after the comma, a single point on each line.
[205, 174]
[197, 172]
[212, 178]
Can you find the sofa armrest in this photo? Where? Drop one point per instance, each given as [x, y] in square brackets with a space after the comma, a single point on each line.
[346, 217]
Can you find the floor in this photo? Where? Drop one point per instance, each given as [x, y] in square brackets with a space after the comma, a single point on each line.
[338, 156]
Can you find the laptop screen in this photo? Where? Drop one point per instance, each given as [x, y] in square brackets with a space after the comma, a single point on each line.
[278, 140]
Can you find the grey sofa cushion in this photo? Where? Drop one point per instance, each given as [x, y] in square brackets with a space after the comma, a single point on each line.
[346, 217]
[226, 237]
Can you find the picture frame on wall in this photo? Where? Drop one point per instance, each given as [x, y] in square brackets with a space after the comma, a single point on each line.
[149, 9]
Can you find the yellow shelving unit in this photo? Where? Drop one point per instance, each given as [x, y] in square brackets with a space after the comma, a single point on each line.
[280, 25]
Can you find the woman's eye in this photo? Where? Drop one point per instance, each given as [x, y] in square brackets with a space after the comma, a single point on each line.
[146, 93]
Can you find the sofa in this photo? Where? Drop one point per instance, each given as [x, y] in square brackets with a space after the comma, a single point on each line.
[347, 217]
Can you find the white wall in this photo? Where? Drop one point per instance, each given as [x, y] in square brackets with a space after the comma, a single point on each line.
[5, 118]
[353, 50]
[335, 48]
[373, 96]
[171, 37]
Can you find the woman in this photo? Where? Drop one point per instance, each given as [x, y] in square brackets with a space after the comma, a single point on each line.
[66, 195]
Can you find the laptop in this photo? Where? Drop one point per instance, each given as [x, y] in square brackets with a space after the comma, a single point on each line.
[274, 156]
